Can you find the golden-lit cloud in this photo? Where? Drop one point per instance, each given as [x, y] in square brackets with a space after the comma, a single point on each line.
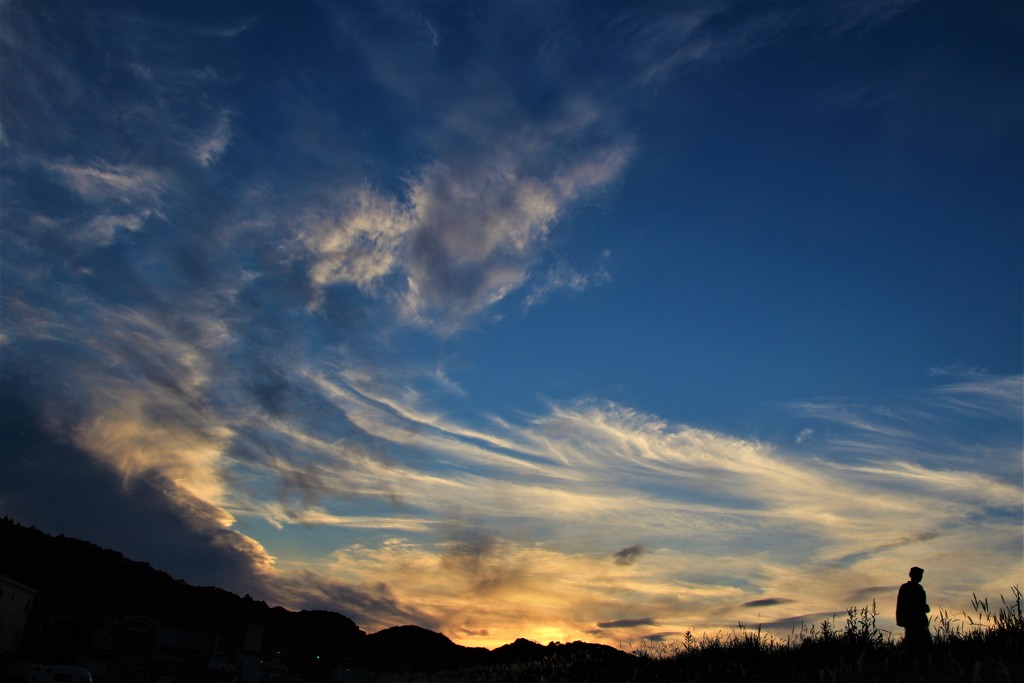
[588, 521]
[731, 529]
[136, 439]
[359, 241]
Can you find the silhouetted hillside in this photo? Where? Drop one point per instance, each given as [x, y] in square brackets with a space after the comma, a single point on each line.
[521, 650]
[417, 648]
[78, 579]
[82, 586]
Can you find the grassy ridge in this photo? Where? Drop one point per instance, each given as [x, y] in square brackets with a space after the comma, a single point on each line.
[984, 648]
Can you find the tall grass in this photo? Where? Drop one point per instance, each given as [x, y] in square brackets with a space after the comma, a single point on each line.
[979, 647]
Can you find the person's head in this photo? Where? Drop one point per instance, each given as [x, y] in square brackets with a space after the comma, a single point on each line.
[916, 574]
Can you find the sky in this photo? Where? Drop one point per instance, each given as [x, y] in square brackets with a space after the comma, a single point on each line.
[601, 321]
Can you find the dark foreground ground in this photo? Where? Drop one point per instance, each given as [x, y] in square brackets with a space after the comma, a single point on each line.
[126, 622]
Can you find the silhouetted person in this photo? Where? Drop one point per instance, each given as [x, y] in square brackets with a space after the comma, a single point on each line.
[912, 611]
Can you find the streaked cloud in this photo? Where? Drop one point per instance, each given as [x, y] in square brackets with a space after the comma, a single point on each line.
[209, 148]
[279, 516]
[812, 531]
[102, 181]
[662, 44]
[627, 623]
[810, 527]
[563, 276]
[982, 393]
[132, 442]
[461, 239]
[481, 230]
[359, 242]
[104, 227]
[767, 602]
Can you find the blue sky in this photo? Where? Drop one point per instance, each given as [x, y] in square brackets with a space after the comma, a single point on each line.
[578, 320]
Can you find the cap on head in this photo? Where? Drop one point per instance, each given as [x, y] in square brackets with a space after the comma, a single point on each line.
[916, 572]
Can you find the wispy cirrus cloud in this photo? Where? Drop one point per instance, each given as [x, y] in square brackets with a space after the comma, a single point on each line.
[117, 196]
[627, 623]
[104, 181]
[280, 515]
[564, 277]
[928, 427]
[660, 45]
[807, 526]
[468, 227]
[462, 238]
[209, 147]
[479, 231]
[979, 392]
[128, 438]
[359, 241]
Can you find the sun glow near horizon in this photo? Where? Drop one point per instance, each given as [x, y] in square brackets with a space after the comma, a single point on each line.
[624, 528]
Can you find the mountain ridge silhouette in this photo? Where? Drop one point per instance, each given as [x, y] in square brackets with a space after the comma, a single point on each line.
[80, 581]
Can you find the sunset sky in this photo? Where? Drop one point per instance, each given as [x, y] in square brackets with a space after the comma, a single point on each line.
[569, 321]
